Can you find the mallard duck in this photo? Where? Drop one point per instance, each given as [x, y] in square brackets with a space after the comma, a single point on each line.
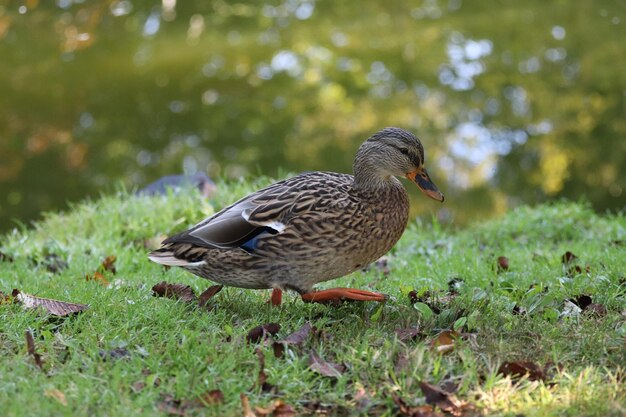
[310, 228]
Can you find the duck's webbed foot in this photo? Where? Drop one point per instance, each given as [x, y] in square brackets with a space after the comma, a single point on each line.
[336, 295]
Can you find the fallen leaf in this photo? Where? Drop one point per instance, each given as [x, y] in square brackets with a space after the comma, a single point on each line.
[445, 401]
[295, 339]
[414, 411]
[175, 291]
[325, 368]
[568, 257]
[114, 354]
[54, 307]
[262, 379]
[54, 263]
[245, 404]
[56, 394]
[444, 341]
[596, 309]
[5, 299]
[170, 405]
[30, 346]
[108, 264]
[518, 369]
[208, 294]
[277, 409]
[407, 334]
[211, 397]
[97, 277]
[503, 263]
[138, 386]
[402, 362]
[260, 332]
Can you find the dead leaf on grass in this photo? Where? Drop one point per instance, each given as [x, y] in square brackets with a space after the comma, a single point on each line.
[261, 332]
[175, 291]
[57, 395]
[114, 354]
[596, 309]
[503, 264]
[54, 263]
[30, 346]
[262, 379]
[277, 409]
[54, 307]
[108, 264]
[245, 404]
[208, 294]
[407, 334]
[414, 411]
[444, 342]
[173, 406]
[325, 368]
[212, 397]
[296, 338]
[97, 277]
[519, 369]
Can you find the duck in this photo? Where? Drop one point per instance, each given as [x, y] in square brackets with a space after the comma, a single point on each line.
[310, 228]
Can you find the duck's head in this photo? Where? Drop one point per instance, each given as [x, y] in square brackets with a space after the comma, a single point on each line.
[395, 152]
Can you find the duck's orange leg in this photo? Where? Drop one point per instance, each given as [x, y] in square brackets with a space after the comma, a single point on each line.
[276, 297]
[340, 294]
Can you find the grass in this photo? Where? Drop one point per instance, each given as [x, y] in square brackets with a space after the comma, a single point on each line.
[173, 348]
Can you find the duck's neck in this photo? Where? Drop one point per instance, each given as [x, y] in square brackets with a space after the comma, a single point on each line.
[368, 175]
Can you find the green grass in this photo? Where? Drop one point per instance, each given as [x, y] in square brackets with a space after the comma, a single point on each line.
[189, 350]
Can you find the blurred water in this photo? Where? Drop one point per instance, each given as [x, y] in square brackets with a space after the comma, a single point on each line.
[519, 102]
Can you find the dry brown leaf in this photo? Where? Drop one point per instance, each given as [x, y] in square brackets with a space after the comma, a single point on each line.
[519, 369]
[54, 307]
[56, 394]
[108, 264]
[295, 339]
[277, 409]
[414, 411]
[444, 342]
[437, 397]
[98, 277]
[175, 291]
[261, 332]
[30, 346]
[208, 294]
[407, 334]
[503, 263]
[171, 406]
[262, 379]
[596, 309]
[323, 367]
[211, 397]
[245, 404]
[5, 299]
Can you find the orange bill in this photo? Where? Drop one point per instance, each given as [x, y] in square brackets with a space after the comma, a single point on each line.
[423, 181]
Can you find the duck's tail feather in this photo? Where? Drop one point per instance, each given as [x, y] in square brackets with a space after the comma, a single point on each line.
[165, 256]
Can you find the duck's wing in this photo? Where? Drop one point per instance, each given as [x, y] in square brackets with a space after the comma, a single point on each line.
[267, 210]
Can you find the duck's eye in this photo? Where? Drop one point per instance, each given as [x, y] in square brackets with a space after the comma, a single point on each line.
[404, 151]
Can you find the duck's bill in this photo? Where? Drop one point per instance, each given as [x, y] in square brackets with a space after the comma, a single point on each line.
[423, 181]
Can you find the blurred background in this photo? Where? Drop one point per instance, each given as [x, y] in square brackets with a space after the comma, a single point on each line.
[516, 101]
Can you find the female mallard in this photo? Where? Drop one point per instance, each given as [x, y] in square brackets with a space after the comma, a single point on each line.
[310, 228]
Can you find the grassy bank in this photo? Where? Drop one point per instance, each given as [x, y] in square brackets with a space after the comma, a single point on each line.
[131, 353]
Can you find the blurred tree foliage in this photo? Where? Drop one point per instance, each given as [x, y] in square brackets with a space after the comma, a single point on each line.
[515, 101]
